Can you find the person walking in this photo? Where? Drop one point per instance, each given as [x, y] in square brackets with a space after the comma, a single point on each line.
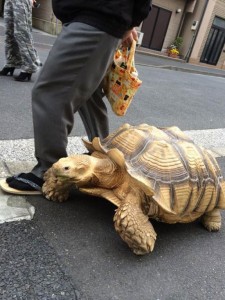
[19, 44]
[70, 80]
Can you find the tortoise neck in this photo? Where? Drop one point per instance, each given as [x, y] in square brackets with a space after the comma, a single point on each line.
[108, 174]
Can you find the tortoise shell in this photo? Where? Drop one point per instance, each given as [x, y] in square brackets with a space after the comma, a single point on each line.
[183, 177]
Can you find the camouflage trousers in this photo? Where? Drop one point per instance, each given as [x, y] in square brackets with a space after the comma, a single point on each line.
[19, 44]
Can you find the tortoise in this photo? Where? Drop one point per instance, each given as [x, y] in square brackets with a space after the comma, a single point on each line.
[148, 173]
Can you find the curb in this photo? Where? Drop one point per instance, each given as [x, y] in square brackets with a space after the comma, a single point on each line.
[159, 55]
[192, 71]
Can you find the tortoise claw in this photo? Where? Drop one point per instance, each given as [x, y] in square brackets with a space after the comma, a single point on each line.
[212, 220]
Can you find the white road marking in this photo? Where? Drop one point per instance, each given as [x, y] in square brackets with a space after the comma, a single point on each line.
[15, 208]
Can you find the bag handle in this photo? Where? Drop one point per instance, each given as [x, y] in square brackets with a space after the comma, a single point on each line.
[131, 56]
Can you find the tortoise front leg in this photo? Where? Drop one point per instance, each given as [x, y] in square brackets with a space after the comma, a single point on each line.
[212, 220]
[55, 189]
[134, 228]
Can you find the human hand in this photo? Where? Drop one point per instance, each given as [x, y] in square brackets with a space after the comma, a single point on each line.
[35, 3]
[129, 36]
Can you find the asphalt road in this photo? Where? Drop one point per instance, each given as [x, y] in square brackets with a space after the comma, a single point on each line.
[71, 250]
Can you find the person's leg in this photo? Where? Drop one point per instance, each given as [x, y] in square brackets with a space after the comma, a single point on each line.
[12, 53]
[74, 69]
[72, 73]
[98, 124]
[33, 50]
[23, 35]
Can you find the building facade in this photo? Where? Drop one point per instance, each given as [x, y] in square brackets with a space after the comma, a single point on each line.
[200, 23]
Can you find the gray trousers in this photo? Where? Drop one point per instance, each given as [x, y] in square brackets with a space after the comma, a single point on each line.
[70, 82]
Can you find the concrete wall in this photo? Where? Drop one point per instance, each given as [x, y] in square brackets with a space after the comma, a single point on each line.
[44, 19]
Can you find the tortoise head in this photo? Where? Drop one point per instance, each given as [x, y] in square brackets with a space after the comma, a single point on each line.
[89, 171]
[77, 168]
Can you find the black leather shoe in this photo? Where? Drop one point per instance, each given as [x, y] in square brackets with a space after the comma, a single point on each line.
[5, 71]
[23, 76]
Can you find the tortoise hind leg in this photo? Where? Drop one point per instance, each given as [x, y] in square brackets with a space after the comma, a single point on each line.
[212, 220]
[135, 228]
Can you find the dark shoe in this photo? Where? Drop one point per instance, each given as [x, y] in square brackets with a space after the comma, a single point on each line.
[23, 76]
[23, 184]
[5, 71]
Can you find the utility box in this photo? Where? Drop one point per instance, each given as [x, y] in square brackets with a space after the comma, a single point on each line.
[194, 25]
[140, 37]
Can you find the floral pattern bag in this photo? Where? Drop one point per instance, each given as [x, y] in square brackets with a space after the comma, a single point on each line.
[121, 81]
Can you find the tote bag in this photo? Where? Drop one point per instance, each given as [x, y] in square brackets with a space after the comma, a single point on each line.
[121, 81]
